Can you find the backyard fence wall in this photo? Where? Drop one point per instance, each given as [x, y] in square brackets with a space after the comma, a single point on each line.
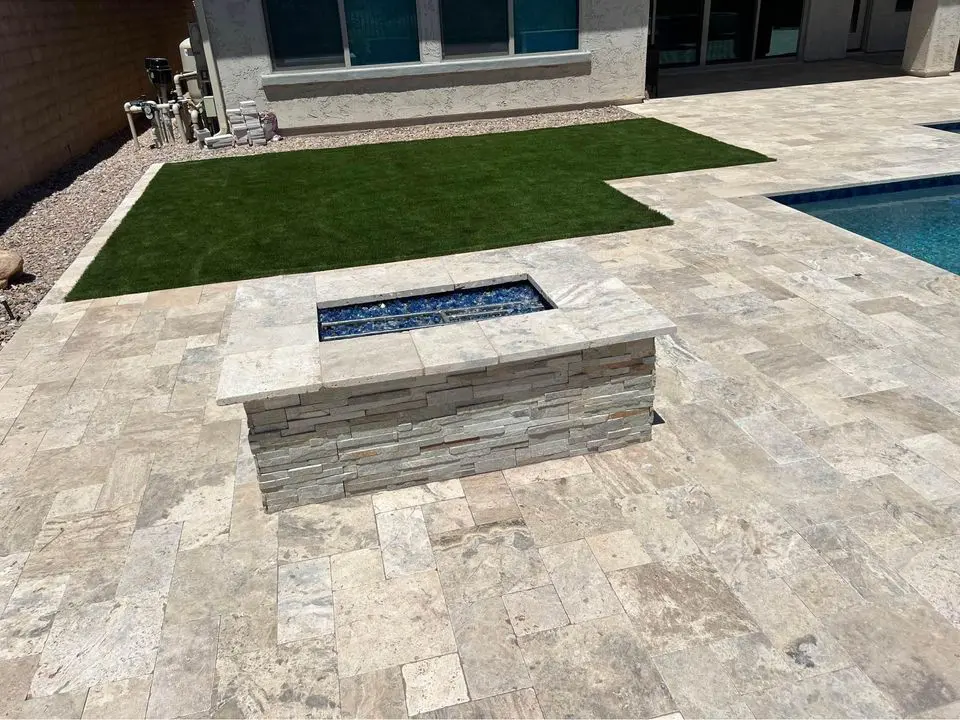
[66, 68]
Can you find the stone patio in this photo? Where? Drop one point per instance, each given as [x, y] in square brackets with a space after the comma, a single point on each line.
[786, 546]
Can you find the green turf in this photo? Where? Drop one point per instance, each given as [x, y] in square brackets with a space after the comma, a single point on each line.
[254, 216]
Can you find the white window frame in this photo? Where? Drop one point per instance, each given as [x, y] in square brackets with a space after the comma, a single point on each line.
[342, 9]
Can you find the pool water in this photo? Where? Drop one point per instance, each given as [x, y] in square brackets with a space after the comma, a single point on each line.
[953, 127]
[918, 217]
[419, 311]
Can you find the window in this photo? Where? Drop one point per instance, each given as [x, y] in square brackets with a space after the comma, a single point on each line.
[309, 32]
[545, 25]
[305, 32]
[483, 27]
[474, 27]
[904, 5]
[382, 31]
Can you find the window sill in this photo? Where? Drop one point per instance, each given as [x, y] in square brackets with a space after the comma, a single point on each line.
[445, 67]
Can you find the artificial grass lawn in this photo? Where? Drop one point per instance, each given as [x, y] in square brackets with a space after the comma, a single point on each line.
[280, 213]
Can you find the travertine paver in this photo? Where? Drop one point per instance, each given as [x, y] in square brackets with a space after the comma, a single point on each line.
[489, 652]
[786, 545]
[533, 611]
[434, 683]
[378, 694]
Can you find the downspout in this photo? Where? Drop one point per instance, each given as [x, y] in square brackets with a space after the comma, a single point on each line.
[218, 98]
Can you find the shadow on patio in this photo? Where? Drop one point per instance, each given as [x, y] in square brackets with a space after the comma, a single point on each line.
[733, 78]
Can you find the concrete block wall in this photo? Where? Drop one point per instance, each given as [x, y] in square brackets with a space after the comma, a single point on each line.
[66, 68]
[322, 446]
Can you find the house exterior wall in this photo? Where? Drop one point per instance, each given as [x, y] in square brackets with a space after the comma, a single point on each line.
[933, 38]
[610, 67]
[887, 30]
[828, 27]
[67, 67]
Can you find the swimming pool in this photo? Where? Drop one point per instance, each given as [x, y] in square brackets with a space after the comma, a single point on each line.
[918, 217]
[953, 126]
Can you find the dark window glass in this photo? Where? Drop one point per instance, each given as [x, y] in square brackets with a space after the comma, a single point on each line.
[545, 25]
[678, 31]
[382, 31]
[474, 27]
[730, 38]
[904, 5]
[304, 32]
[779, 33]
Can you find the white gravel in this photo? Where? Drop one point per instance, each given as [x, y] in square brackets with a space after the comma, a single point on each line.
[50, 223]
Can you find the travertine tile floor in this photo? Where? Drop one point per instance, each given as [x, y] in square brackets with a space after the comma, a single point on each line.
[787, 545]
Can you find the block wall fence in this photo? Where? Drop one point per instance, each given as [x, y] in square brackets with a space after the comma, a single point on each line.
[67, 67]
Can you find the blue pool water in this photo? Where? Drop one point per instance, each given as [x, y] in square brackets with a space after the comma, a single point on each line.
[953, 127]
[917, 217]
[419, 311]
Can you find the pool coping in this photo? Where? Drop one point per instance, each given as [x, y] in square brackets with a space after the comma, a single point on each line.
[838, 192]
[273, 348]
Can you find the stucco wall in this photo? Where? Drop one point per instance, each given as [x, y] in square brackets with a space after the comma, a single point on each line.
[66, 68]
[614, 31]
[888, 28]
[933, 38]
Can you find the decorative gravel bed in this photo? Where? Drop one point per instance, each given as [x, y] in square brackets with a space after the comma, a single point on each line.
[50, 223]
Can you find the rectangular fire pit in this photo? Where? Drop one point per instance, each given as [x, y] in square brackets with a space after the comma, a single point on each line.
[418, 311]
[392, 375]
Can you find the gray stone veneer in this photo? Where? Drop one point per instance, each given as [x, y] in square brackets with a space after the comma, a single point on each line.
[320, 446]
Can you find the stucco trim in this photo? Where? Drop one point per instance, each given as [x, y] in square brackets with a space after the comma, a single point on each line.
[447, 67]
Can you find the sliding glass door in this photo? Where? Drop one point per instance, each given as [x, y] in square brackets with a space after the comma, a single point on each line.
[731, 31]
[678, 31]
[708, 32]
[778, 33]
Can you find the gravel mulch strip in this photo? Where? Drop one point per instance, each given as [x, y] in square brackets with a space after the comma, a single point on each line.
[49, 223]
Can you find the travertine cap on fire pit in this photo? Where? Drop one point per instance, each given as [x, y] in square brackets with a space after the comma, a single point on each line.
[273, 347]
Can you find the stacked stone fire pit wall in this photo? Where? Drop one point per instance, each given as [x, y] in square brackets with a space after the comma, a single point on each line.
[323, 445]
[329, 417]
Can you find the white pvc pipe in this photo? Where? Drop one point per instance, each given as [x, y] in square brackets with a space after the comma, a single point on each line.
[177, 79]
[130, 109]
[181, 126]
[195, 121]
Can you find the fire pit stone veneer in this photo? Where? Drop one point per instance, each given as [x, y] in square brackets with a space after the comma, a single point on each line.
[354, 415]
